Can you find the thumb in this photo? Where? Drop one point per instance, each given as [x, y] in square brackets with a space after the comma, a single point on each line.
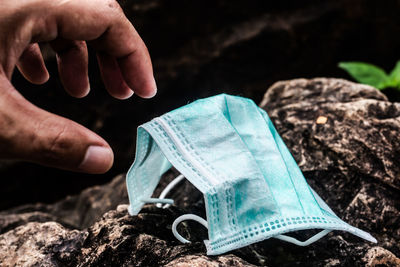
[62, 143]
[32, 134]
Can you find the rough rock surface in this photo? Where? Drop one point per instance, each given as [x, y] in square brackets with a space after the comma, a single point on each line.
[77, 211]
[344, 137]
[199, 49]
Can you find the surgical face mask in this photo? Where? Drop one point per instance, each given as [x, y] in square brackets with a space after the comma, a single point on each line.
[228, 148]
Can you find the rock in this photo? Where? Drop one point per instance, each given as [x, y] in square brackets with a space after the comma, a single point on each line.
[378, 256]
[241, 48]
[361, 130]
[203, 261]
[40, 244]
[77, 211]
[347, 158]
[116, 240]
[351, 160]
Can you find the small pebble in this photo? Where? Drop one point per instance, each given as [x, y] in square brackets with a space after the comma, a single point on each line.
[322, 120]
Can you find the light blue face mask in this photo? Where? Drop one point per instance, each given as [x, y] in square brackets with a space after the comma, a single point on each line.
[228, 148]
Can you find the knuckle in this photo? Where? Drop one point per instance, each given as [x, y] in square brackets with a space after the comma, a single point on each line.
[113, 4]
[68, 47]
[109, 7]
[31, 49]
[78, 45]
[114, 10]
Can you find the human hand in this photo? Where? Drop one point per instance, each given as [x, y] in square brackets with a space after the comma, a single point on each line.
[33, 134]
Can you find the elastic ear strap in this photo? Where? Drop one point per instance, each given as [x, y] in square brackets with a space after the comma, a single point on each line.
[185, 218]
[158, 200]
[168, 188]
[162, 200]
[303, 243]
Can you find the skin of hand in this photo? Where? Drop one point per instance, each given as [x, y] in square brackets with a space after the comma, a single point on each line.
[32, 134]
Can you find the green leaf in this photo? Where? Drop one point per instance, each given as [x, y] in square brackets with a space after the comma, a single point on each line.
[394, 76]
[366, 73]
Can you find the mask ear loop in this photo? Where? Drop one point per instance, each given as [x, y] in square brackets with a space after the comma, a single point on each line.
[303, 243]
[168, 202]
[161, 199]
[186, 217]
[168, 188]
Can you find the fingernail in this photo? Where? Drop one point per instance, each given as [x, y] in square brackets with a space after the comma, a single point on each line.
[86, 91]
[81, 94]
[97, 159]
[153, 93]
[127, 95]
[45, 78]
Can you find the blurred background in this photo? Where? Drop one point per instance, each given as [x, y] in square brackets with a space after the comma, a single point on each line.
[199, 49]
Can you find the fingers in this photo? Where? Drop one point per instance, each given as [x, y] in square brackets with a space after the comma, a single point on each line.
[32, 134]
[112, 77]
[103, 24]
[72, 61]
[31, 65]
[132, 56]
[138, 72]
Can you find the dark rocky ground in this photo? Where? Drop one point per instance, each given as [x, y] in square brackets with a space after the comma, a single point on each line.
[349, 159]
[202, 48]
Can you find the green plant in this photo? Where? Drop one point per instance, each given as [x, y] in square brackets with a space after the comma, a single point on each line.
[373, 75]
